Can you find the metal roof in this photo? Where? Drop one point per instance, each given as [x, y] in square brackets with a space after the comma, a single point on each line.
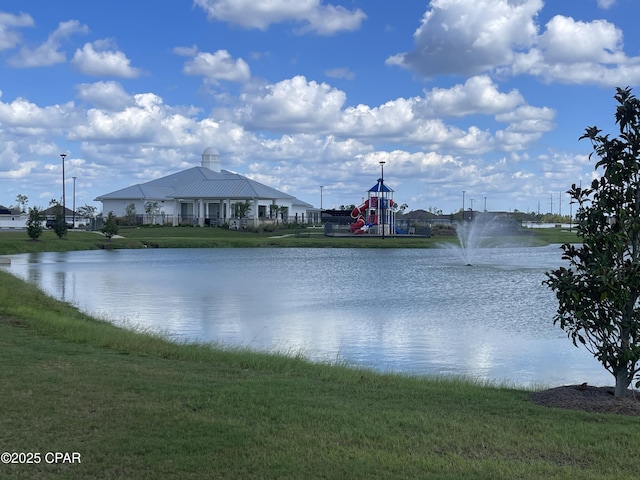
[232, 185]
[199, 182]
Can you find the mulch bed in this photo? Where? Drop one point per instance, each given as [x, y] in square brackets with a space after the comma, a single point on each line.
[589, 399]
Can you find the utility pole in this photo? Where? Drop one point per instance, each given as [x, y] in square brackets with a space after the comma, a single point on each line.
[560, 204]
[64, 206]
[74, 202]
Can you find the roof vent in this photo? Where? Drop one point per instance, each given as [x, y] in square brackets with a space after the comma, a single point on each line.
[211, 159]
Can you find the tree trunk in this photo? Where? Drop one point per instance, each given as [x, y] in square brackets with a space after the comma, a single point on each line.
[622, 382]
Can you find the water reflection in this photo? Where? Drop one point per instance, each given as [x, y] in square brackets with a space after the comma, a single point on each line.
[415, 311]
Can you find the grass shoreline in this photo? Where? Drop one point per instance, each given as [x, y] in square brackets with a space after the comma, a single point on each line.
[135, 405]
[17, 241]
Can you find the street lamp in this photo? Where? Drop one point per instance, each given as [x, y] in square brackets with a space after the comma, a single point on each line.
[74, 202]
[63, 156]
[321, 187]
[463, 205]
[381, 199]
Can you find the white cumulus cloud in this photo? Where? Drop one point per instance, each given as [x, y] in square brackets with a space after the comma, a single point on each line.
[9, 37]
[470, 36]
[106, 95]
[216, 66]
[310, 15]
[100, 58]
[295, 103]
[502, 37]
[49, 52]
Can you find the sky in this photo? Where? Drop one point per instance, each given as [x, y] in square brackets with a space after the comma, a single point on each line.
[485, 97]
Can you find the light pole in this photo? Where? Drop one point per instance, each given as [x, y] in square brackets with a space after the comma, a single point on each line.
[463, 205]
[321, 187]
[74, 202]
[63, 156]
[381, 199]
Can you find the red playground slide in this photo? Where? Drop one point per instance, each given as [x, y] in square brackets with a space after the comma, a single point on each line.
[359, 226]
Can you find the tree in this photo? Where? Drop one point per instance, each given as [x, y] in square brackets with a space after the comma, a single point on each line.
[34, 223]
[399, 208]
[130, 214]
[22, 201]
[599, 293]
[110, 227]
[87, 211]
[278, 211]
[273, 211]
[60, 222]
[152, 209]
[241, 209]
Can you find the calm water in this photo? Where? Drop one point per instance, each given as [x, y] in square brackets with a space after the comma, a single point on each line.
[414, 311]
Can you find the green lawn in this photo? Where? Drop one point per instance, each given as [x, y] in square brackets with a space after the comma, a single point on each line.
[12, 242]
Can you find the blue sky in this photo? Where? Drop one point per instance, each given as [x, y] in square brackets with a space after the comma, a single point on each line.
[488, 97]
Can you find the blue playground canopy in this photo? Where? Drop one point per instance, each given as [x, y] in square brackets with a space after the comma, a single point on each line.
[376, 187]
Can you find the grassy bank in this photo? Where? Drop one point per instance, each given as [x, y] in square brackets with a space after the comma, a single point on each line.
[136, 406]
[13, 242]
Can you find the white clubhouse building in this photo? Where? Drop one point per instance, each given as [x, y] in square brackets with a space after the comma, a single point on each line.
[207, 195]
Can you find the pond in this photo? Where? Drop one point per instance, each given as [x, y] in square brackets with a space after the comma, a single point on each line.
[416, 311]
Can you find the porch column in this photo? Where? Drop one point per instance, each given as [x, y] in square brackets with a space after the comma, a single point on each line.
[255, 208]
[176, 212]
[201, 212]
[227, 210]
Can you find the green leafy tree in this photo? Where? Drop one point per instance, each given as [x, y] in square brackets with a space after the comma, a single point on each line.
[87, 211]
[130, 214]
[400, 209]
[273, 211]
[599, 293]
[110, 227]
[555, 218]
[152, 209]
[241, 209]
[60, 222]
[22, 201]
[284, 214]
[34, 223]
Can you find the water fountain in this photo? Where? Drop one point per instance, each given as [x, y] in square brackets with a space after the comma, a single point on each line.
[472, 235]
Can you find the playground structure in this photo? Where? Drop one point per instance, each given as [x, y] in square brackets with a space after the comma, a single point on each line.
[376, 215]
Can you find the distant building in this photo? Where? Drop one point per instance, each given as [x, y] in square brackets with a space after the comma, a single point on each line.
[12, 218]
[72, 219]
[207, 195]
